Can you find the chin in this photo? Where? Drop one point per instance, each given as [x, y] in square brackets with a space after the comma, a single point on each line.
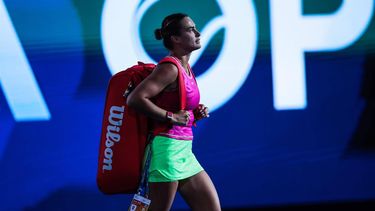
[197, 47]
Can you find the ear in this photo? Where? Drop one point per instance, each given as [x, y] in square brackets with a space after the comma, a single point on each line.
[175, 39]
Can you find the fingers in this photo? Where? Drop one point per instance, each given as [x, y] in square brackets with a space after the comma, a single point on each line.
[186, 113]
[187, 117]
[184, 117]
[204, 111]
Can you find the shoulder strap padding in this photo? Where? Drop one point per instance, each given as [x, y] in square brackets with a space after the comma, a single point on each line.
[181, 82]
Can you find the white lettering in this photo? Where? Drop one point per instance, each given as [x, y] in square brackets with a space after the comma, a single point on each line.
[17, 80]
[116, 115]
[293, 34]
[108, 154]
[114, 136]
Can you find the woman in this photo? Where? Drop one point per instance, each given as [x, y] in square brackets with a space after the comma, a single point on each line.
[173, 165]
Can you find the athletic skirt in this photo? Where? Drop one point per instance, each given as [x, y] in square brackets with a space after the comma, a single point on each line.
[172, 160]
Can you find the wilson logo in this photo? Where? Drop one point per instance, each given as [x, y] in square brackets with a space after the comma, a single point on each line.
[115, 118]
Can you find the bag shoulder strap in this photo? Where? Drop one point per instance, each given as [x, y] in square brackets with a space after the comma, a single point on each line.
[181, 82]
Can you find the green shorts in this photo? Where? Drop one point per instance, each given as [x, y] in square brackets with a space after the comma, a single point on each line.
[172, 160]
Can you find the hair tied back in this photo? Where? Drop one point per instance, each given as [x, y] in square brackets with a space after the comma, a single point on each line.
[158, 34]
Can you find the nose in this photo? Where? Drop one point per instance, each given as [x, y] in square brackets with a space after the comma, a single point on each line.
[197, 33]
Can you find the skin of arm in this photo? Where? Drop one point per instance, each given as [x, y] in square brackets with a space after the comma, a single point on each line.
[163, 76]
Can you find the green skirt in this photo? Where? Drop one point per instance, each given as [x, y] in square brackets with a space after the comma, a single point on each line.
[172, 160]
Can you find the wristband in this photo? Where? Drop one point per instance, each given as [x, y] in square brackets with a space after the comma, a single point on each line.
[169, 116]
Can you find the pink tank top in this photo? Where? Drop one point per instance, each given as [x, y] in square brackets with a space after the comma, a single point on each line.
[169, 100]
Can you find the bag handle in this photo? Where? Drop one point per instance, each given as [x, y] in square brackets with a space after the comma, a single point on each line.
[143, 188]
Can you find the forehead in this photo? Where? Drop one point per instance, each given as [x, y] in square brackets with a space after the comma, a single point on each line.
[187, 22]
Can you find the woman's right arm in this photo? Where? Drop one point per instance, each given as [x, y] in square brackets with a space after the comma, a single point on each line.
[139, 99]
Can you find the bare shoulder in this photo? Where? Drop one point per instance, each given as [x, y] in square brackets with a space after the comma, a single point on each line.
[163, 75]
[167, 70]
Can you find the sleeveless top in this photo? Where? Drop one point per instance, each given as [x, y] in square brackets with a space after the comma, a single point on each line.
[169, 100]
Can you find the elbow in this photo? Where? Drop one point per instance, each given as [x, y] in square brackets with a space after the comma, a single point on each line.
[135, 100]
[131, 100]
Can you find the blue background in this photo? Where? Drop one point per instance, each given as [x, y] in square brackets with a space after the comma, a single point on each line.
[256, 156]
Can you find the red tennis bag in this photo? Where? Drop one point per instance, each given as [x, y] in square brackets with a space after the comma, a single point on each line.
[125, 132]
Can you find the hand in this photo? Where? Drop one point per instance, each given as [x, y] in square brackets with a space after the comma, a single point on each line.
[181, 118]
[201, 112]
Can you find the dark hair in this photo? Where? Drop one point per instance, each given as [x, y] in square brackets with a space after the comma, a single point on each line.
[169, 27]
